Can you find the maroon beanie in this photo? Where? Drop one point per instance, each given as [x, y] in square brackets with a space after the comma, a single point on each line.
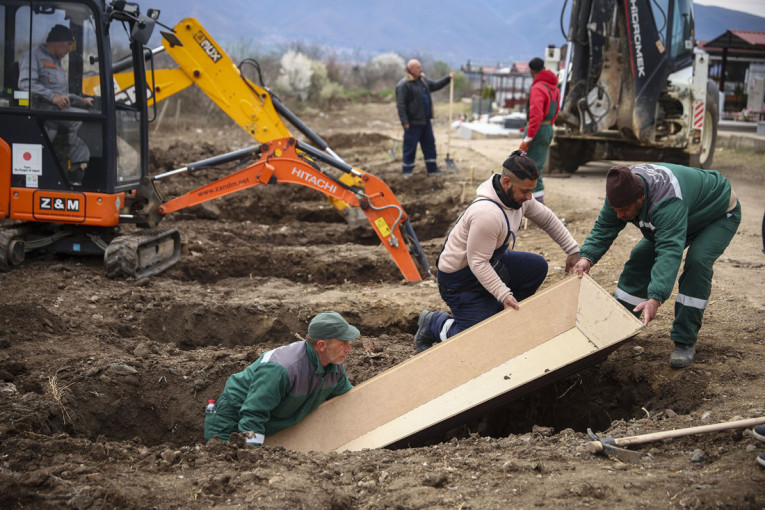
[623, 188]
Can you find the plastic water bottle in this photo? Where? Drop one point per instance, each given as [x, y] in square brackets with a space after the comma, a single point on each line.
[210, 407]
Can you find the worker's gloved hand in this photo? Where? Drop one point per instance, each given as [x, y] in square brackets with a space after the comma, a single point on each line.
[525, 146]
[255, 439]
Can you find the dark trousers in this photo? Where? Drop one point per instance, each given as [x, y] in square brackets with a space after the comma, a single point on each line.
[523, 272]
[695, 283]
[540, 145]
[424, 136]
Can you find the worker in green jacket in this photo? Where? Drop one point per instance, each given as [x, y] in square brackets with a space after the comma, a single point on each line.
[285, 384]
[675, 207]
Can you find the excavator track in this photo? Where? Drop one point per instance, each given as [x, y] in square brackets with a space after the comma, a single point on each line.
[12, 245]
[144, 253]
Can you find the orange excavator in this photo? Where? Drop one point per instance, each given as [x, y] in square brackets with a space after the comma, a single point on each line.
[50, 201]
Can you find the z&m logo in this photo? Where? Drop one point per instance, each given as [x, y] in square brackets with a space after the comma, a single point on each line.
[209, 47]
[60, 207]
[59, 204]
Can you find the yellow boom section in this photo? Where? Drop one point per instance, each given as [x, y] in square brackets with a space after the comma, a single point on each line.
[201, 61]
[204, 63]
[169, 82]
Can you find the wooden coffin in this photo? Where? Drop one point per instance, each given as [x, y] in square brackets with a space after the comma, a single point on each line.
[560, 331]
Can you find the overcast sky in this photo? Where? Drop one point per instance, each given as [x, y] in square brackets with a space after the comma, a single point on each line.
[756, 7]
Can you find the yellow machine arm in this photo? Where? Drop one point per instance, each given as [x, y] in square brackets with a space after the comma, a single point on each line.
[203, 62]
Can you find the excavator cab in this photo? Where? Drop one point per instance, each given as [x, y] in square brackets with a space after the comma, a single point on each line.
[62, 137]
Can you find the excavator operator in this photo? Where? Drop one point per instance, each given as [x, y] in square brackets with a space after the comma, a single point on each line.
[41, 72]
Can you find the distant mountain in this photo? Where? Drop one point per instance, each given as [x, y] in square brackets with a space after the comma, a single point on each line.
[714, 21]
[486, 31]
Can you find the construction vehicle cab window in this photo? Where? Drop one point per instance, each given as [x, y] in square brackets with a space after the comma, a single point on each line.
[51, 51]
[80, 88]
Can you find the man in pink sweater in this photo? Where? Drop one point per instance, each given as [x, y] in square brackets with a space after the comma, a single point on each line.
[479, 274]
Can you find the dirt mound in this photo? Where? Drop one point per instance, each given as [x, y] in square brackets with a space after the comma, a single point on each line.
[179, 153]
[357, 140]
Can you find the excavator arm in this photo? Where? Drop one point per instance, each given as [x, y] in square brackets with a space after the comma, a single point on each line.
[282, 158]
[287, 160]
[203, 62]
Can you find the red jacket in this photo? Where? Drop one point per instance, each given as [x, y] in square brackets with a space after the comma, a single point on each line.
[539, 100]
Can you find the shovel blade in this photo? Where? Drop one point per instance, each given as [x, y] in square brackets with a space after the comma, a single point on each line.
[450, 165]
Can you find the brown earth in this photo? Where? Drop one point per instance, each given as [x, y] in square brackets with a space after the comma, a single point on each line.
[103, 382]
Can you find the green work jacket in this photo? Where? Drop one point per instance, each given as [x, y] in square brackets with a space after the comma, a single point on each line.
[282, 387]
[679, 202]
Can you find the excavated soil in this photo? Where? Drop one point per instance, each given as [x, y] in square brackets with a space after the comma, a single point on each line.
[103, 382]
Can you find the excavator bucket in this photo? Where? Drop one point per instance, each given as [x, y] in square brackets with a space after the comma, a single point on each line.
[556, 333]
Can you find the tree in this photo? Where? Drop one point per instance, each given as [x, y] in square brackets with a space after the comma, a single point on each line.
[379, 71]
[295, 75]
[440, 68]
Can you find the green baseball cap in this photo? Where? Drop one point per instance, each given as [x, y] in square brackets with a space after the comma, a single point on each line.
[328, 325]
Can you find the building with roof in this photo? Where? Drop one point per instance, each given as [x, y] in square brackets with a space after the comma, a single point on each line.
[737, 65]
[510, 83]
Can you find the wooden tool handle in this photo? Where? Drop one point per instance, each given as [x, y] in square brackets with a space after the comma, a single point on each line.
[597, 446]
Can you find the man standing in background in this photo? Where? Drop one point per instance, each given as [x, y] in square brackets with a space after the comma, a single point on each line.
[544, 104]
[415, 110]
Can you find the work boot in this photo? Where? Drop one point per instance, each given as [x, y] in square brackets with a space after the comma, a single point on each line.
[423, 339]
[437, 171]
[682, 356]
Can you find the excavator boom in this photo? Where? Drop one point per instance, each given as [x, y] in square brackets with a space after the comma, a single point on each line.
[287, 160]
[205, 64]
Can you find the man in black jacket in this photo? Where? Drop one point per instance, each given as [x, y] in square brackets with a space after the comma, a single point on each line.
[415, 109]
